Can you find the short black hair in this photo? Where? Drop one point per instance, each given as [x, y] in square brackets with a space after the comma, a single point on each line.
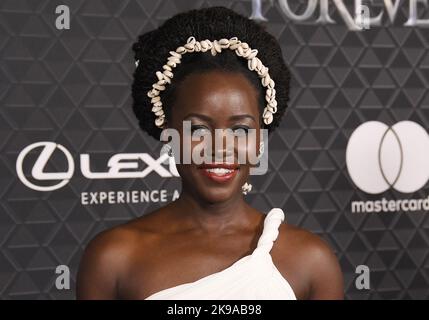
[214, 23]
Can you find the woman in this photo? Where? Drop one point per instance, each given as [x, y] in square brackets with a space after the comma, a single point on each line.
[209, 243]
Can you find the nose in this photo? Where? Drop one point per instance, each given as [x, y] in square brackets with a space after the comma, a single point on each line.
[222, 150]
[224, 155]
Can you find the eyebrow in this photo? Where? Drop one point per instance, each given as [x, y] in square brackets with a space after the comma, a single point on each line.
[209, 119]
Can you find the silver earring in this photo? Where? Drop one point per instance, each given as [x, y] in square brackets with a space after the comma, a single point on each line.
[167, 149]
[246, 188]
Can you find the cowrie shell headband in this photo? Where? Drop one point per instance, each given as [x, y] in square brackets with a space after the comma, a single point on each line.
[242, 49]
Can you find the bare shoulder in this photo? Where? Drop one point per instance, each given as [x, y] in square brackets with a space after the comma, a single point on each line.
[110, 242]
[316, 260]
[133, 232]
[108, 255]
[313, 245]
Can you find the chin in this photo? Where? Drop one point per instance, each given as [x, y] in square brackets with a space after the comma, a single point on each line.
[214, 185]
[212, 191]
[217, 195]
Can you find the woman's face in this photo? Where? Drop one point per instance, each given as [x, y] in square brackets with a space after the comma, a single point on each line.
[216, 100]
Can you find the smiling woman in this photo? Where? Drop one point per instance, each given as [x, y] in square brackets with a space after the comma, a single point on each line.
[209, 243]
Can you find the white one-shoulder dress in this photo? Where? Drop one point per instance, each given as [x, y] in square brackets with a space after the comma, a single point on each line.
[253, 277]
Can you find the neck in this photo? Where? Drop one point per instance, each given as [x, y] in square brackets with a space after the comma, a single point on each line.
[213, 216]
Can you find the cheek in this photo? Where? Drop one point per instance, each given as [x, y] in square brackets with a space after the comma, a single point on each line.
[185, 171]
[194, 152]
[248, 149]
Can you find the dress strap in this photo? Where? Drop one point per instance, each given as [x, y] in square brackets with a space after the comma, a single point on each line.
[271, 230]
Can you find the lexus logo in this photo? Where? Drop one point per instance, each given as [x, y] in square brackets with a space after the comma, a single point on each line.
[37, 172]
[121, 166]
[380, 157]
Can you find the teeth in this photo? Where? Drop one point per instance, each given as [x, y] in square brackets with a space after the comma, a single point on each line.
[219, 170]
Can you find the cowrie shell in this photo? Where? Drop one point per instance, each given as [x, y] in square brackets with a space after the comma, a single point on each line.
[251, 64]
[267, 114]
[167, 80]
[174, 59]
[181, 50]
[234, 46]
[252, 54]
[175, 54]
[156, 108]
[155, 99]
[159, 75]
[223, 41]
[263, 71]
[189, 47]
[259, 65]
[204, 45]
[272, 109]
[271, 100]
[168, 73]
[246, 54]
[191, 40]
[158, 87]
[233, 40]
[159, 122]
[171, 64]
[159, 112]
[217, 46]
[265, 81]
[255, 64]
[268, 119]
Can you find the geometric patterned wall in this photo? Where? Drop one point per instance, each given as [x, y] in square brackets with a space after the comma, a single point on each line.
[72, 87]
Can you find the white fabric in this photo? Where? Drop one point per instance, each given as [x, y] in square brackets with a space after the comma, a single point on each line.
[253, 277]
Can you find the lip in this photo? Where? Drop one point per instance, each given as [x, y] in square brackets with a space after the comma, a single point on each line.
[219, 178]
[230, 166]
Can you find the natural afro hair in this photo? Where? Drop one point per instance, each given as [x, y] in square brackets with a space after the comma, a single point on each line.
[214, 23]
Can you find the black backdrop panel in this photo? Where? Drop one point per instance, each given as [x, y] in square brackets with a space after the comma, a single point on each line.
[72, 88]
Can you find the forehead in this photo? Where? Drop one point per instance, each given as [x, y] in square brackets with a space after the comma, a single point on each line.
[217, 94]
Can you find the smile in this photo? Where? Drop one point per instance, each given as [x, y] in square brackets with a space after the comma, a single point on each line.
[220, 173]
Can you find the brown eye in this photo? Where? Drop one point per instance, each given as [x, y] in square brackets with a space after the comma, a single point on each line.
[199, 130]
